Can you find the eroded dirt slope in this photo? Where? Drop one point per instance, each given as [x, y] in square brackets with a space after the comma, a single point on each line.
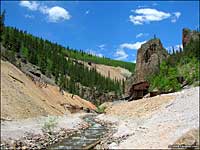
[22, 98]
[118, 73]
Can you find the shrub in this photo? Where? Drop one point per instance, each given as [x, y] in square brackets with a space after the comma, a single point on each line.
[24, 52]
[165, 80]
[50, 124]
[101, 109]
[190, 70]
[9, 55]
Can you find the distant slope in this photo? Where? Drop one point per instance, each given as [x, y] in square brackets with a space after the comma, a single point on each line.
[81, 55]
[21, 98]
[112, 72]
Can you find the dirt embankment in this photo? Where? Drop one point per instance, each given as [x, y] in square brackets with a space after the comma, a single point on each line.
[21, 98]
[112, 72]
[156, 122]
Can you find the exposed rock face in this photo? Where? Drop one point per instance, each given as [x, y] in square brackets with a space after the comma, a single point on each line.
[188, 34]
[96, 97]
[149, 57]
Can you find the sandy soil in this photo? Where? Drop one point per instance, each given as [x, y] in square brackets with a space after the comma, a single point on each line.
[154, 122]
[21, 98]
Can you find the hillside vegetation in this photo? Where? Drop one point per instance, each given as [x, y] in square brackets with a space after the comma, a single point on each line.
[180, 64]
[81, 55]
[57, 62]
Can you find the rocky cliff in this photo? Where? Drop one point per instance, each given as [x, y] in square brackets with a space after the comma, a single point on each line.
[149, 57]
[188, 34]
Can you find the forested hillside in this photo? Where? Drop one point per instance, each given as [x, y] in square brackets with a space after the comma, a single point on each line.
[81, 55]
[181, 68]
[58, 63]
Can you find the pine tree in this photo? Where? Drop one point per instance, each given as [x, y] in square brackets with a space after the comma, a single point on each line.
[173, 51]
[2, 19]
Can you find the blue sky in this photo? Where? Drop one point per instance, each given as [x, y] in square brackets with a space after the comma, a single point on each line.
[104, 28]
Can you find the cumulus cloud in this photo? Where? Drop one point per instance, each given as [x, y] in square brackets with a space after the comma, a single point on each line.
[102, 46]
[147, 15]
[141, 35]
[120, 54]
[136, 45]
[32, 5]
[175, 16]
[54, 14]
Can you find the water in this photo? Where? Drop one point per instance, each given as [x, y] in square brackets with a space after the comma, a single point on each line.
[84, 138]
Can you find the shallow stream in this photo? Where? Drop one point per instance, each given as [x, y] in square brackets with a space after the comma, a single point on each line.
[83, 139]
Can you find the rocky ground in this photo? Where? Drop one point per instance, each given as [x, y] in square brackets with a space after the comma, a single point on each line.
[29, 133]
[156, 122]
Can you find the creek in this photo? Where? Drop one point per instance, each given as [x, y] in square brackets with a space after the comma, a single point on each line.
[85, 139]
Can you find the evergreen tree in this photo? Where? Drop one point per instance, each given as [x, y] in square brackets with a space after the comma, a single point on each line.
[2, 19]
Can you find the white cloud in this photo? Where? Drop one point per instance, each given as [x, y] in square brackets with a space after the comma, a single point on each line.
[136, 45]
[102, 46]
[175, 16]
[141, 35]
[146, 15]
[54, 14]
[120, 54]
[176, 48]
[29, 16]
[87, 12]
[100, 55]
[92, 52]
[134, 61]
[32, 5]
[43, 9]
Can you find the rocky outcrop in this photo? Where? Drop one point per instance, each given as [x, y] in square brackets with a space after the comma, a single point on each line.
[149, 57]
[96, 97]
[188, 34]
